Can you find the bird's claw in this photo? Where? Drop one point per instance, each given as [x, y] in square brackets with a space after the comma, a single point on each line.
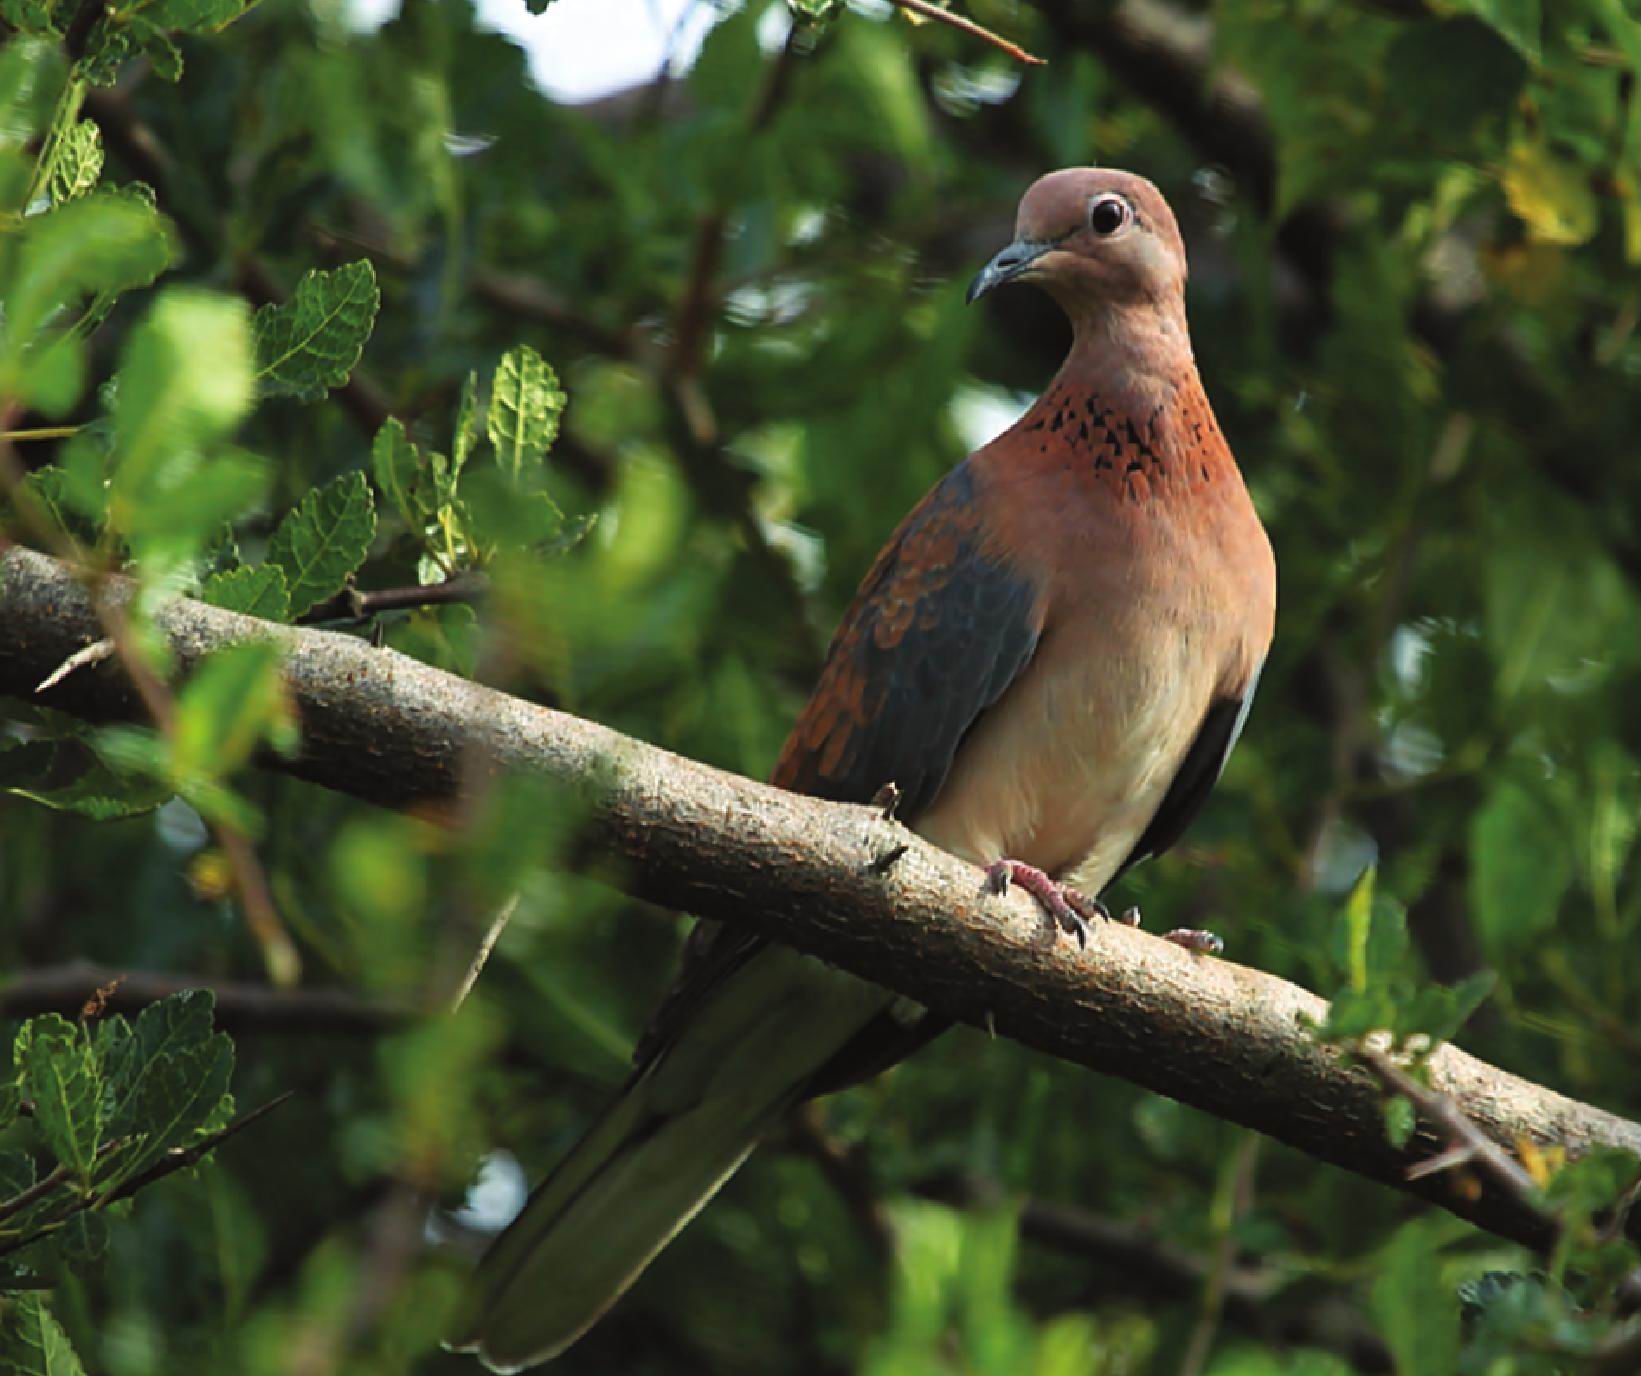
[1196, 939]
[1071, 910]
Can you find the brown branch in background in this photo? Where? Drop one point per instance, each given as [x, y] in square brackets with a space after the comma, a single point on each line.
[1134, 1258]
[923, 9]
[1223, 1038]
[240, 1007]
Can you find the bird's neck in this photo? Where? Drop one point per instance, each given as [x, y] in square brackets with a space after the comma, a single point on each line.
[1135, 356]
[1128, 409]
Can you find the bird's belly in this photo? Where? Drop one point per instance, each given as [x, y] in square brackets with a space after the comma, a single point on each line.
[1068, 777]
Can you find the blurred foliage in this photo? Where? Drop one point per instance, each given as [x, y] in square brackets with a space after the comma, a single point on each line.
[298, 309]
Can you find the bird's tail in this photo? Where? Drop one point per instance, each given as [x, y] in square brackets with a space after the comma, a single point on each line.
[659, 1153]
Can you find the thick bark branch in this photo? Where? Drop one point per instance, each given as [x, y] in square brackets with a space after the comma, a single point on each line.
[1226, 1039]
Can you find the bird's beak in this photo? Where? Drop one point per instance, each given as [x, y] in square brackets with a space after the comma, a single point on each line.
[1006, 266]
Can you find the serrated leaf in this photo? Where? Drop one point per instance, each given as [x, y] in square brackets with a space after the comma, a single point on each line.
[525, 403]
[78, 163]
[59, 1073]
[396, 464]
[259, 591]
[312, 342]
[234, 702]
[117, 39]
[467, 424]
[167, 1077]
[196, 16]
[32, 1342]
[324, 540]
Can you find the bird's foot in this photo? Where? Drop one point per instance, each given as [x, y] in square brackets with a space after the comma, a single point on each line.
[1071, 910]
[1196, 939]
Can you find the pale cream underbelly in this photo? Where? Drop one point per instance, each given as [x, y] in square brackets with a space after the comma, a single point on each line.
[1069, 771]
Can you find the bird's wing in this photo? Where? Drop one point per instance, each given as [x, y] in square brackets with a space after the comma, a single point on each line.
[1199, 771]
[938, 630]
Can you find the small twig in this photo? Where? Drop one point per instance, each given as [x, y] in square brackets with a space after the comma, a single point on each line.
[492, 935]
[352, 604]
[924, 9]
[882, 864]
[41, 432]
[182, 1159]
[35, 1192]
[1469, 1143]
[94, 653]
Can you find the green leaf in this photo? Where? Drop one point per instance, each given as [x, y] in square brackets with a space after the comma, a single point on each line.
[1550, 194]
[16, 1168]
[324, 540]
[196, 15]
[525, 403]
[98, 245]
[78, 164]
[1520, 868]
[32, 1342]
[117, 39]
[184, 384]
[1417, 1316]
[1400, 1121]
[167, 1073]
[1359, 925]
[91, 786]
[233, 702]
[59, 1073]
[396, 464]
[1519, 22]
[312, 342]
[259, 591]
[467, 424]
[34, 16]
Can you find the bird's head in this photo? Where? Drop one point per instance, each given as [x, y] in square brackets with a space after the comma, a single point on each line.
[1093, 238]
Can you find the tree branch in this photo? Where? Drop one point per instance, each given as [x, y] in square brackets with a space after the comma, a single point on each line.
[1228, 1040]
[240, 1007]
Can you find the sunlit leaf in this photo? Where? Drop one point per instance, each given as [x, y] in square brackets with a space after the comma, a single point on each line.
[259, 591]
[312, 342]
[60, 1075]
[324, 540]
[32, 1342]
[525, 403]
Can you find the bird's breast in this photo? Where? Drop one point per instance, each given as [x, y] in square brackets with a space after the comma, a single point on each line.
[1069, 767]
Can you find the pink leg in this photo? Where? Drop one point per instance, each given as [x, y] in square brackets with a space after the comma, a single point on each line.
[1072, 911]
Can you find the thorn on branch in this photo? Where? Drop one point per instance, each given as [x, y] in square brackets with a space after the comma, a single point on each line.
[889, 859]
[94, 653]
[887, 799]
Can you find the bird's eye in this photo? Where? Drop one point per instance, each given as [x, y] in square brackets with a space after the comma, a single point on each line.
[1108, 214]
